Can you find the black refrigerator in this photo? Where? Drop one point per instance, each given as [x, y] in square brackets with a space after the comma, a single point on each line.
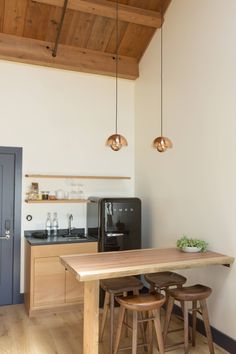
[115, 223]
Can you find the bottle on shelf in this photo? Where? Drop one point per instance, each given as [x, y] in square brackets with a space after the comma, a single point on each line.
[55, 224]
[48, 224]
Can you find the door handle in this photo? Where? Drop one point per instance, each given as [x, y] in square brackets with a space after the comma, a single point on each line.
[7, 235]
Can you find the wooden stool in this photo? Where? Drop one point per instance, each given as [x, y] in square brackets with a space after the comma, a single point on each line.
[194, 294]
[150, 303]
[164, 280]
[112, 288]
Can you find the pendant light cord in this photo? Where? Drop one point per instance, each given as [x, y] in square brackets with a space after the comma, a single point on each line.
[161, 80]
[117, 45]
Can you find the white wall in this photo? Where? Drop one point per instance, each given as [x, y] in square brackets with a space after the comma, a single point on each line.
[191, 189]
[62, 120]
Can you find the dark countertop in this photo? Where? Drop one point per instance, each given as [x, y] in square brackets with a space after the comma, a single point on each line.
[60, 239]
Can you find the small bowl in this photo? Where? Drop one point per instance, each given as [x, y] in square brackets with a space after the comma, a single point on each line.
[191, 249]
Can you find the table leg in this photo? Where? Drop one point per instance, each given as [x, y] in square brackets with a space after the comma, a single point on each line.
[91, 317]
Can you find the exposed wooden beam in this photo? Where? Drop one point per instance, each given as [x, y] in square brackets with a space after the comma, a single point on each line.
[108, 9]
[37, 52]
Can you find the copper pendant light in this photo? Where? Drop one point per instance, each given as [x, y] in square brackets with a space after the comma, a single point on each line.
[162, 143]
[116, 141]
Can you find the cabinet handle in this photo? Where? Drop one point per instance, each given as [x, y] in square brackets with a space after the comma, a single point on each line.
[112, 234]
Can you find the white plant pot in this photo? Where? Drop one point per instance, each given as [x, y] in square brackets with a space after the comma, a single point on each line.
[191, 249]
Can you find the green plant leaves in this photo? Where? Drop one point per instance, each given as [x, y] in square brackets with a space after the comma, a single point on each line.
[184, 241]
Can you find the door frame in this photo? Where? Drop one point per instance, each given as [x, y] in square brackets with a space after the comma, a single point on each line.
[17, 297]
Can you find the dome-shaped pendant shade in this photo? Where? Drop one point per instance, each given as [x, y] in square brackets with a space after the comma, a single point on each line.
[116, 141]
[162, 144]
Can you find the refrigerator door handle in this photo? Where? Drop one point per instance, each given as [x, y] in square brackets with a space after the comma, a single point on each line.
[113, 234]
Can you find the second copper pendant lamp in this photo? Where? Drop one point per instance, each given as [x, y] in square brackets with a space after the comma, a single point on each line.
[162, 143]
[116, 141]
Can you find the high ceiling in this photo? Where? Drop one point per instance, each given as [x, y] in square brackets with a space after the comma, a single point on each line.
[87, 42]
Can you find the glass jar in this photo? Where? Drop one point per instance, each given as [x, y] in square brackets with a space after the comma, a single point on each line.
[45, 195]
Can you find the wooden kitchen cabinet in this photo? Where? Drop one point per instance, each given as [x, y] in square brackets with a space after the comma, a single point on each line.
[74, 289]
[49, 278]
[48, 285]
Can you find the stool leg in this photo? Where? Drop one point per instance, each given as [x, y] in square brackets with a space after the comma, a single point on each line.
[112, 301]
[185, 328]
[136, 293]
[119, 328]
[135, 332]
[157, 324]
[166, 300]
[104, 314]
[194, 317]
[168, 316]
[150, 333]
[142, 328]
[203, 306]
[126, 319]
[181, 302]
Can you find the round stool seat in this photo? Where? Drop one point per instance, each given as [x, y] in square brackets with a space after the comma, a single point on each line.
[143, 302]
[121, 285]
[164, 280]
[191, 293]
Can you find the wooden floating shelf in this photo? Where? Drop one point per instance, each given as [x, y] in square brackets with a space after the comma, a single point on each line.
[74, 177]
[54, 201]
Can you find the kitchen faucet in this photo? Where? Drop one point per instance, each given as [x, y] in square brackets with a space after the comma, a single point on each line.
[70, 218]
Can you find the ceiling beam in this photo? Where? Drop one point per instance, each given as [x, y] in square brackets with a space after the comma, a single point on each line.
[108, 9]
[32, 51]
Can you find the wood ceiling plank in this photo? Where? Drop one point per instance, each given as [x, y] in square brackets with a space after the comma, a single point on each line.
[81, 29]
[37, 20]
[108, 9]
[111, 46]
[69, 22]
[144, 4]
[33, 51]
[2, 6]
[14, 16]
[101, 33]
[69, 27]
[129, 44]
[53, 22]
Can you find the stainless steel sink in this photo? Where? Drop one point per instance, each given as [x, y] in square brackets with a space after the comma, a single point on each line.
[74, 237]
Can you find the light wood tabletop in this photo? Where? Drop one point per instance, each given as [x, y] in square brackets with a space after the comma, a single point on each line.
[115, 264]
[90, 268]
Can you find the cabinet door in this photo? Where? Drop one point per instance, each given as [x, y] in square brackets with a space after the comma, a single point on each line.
[74, 288]
[49, 282]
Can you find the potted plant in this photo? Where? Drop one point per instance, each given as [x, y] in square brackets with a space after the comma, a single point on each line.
[191, 244]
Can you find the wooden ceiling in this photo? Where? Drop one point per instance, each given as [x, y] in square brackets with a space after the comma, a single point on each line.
[28, 31]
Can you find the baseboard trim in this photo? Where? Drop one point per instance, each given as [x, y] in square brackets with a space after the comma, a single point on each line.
[221, 339]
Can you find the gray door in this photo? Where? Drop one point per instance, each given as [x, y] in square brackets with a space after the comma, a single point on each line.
[7, 191]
